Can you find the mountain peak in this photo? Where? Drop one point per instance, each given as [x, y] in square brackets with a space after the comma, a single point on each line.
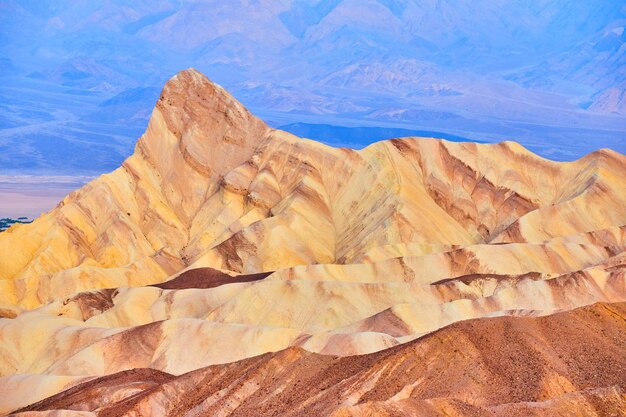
[214, 132]
[193, 81]
[190, 95]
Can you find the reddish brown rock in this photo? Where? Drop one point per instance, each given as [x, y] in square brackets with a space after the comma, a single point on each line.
[562, 364]
[207, 278]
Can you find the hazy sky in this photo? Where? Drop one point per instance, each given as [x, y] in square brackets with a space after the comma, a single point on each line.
[79, 78]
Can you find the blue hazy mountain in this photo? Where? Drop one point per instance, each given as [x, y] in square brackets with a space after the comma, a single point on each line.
[355, 137]
[78, 79]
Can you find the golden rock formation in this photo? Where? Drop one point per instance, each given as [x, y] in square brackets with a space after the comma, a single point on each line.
[222, 239]
[504, 366]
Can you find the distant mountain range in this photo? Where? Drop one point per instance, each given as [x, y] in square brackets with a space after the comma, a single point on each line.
[6, 222]
[79, 79]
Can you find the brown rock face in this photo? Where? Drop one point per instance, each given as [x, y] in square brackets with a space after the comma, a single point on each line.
[488, 367]
[102, 391]
[206, 278]
[227, 259]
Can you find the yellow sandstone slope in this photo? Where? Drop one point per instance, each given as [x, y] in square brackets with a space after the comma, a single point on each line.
[364, 249]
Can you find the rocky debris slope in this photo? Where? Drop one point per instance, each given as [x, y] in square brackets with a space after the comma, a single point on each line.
[570, 363]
